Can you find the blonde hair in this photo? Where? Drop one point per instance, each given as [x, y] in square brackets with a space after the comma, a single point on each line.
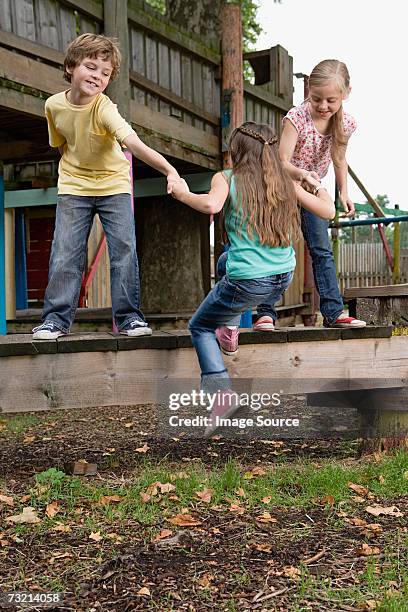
[265, 192]
[333, 70]
[93, 46]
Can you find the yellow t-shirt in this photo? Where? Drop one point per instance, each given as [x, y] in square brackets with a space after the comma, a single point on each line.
[93, 162]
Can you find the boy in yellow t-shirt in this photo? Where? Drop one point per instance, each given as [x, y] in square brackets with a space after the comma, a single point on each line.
[93, 178]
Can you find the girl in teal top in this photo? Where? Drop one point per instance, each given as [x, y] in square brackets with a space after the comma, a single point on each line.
[261, 218]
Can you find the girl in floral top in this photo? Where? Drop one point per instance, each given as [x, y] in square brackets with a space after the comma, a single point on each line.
[315, 133]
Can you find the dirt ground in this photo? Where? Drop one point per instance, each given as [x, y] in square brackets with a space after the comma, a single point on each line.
[228, 562]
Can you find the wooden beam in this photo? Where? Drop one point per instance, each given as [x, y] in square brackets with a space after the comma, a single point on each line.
[26, 71]
[173, 98]
[379, 291]
[89, 7]
[20, 149]
[106, 377]
[22, 102]
[116, 25]
[8, 39]
[262, 94]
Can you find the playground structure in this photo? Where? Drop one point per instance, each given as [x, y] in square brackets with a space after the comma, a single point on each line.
[182, 96]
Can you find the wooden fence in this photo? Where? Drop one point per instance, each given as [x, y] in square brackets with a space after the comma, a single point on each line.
[362, 265]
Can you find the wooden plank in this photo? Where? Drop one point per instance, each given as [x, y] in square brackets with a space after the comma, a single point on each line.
[170, 97]
[23, 19]
[5, 15]
[68, 26]
[187, 135]
[261, 93]
[47, 24]
[23, 70]
[138, 62]
[379, 291]
[151, 70]
[8, 39]
[161, 28]
[131, 377]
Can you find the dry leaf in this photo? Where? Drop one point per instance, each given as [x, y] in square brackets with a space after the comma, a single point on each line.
[236, 509]
[370, 604]
[240, 492]
[381, 479]
[27, 516]
[291, 572]
[366, 551]
[358, 488]
[95, 536]
[166, 487]
[144, 591]
[62, 528]
[144, 497]
[263, 547]
[327, 500]
[165, 533]
[5, 499]
[266, 518]
[109, 499]
[28, 439]
[356, 521]
[389, 511]
[25, 498]
[205, 495]
[184, 520]
[143, 449]
[256, 471]
[374, 527]
[266, 500]
[52, 509]
[127, 425]
[205, 581]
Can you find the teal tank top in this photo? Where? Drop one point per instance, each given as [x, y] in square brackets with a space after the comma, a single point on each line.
[247, 257]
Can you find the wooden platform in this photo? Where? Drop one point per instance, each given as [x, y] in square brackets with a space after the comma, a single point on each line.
[381, 305]
[105, 369]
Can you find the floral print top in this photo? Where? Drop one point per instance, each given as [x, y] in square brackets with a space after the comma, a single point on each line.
[312, 151]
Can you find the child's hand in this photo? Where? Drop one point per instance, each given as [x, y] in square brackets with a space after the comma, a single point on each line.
[311, 181]
[172, 178]
[347, 205]
[179, 188]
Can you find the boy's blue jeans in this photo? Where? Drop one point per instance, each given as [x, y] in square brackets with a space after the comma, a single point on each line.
[223, 306]
[73, 224]
[324, 269]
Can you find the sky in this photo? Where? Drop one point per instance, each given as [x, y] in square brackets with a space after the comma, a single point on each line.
[370, 37]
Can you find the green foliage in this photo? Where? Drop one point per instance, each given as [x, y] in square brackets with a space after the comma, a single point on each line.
[158, 5]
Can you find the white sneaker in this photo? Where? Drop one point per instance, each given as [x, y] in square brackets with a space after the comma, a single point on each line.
[47, 331]
[136, 328]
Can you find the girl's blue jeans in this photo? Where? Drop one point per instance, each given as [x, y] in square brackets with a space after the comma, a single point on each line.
[223, 306]
[73, 224]
[324, 269]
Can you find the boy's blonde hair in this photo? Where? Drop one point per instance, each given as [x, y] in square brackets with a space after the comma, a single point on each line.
[265, 192]
[92, 45]
[333, 70]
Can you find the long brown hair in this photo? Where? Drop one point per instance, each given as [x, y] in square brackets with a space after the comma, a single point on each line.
[265, 192]
[333, 70]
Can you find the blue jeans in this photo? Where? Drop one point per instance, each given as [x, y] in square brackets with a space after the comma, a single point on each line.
[223, 306]
[73, 224]
[324, 269]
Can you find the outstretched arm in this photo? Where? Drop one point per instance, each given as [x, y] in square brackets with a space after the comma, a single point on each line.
[287, 145]
[209, 203]
[320, 204]
[340, 171]
[152, 158]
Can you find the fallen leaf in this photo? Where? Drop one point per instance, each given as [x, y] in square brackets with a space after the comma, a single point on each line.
[240, 492]
[327, 500]
[358, 499]
[236, 509]
[145, 497]
[95, 536]
[291, 572]
[167, 487]
[144, 591]
[375, 527]
[131, 424]
[61, 528]
[370, 604]
[184, 520]
[205, 581]
[266, 500]
[389, 511]
[52, 509]
[143, 449]
[165, 533]
[27, 516]
[356, 521]
[205, 495]
[358, 488]
[109, 499]
[5, 499]
[256, 471]
[263, 547]
[381, 479]
[266, 518]
[366, 550]
[28, 439]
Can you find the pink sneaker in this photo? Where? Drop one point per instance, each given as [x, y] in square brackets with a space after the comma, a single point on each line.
[264, 323]
[228, 339]
[225, 406]
[345, 322]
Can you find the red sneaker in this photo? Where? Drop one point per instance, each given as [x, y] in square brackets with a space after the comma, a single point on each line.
[264, 323]
[225, 406]
[228, 339]
[345, 322]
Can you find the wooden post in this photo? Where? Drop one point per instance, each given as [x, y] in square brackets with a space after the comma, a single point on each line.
[396, 274]
[10, 271]
[20, 260]
[3, 326]
[116, 25]
[384, 420]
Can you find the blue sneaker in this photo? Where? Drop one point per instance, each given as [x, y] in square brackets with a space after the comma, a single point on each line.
[136, 328]
[47, 331]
